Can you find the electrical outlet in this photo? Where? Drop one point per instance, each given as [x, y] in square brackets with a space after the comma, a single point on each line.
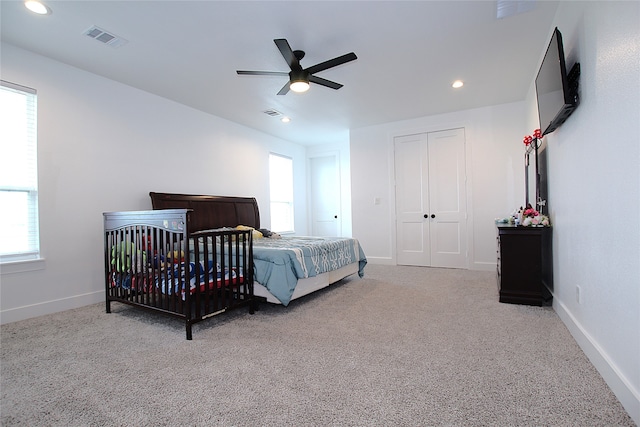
[578, 295]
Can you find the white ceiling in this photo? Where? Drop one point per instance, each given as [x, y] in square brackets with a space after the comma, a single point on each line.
[408, 55]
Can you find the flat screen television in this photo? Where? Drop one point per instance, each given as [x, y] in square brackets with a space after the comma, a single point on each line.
[557, 92]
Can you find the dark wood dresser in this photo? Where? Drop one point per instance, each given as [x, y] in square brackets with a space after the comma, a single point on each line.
[525, 274]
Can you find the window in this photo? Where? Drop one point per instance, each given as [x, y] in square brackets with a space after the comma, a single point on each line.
[281, 193]
[19, 238]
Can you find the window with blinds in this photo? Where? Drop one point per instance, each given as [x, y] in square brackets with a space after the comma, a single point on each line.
[19, 235]
[281, 193]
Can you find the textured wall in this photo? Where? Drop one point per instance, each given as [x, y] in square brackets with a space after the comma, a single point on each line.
[594, 192]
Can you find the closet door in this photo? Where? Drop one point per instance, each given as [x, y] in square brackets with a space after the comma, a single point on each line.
[412, 200]
[447, 199]
[431, 199]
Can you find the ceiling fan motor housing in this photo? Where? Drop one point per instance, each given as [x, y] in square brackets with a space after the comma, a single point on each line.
[299, 76]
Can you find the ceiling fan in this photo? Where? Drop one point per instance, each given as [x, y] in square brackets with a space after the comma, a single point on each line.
[300, 78]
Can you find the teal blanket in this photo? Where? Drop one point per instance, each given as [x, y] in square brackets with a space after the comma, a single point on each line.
[279, 263]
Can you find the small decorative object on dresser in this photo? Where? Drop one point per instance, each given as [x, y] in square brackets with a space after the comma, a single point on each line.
[524, 270]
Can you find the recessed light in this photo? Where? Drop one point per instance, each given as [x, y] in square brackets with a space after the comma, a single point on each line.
[285, 119]
[37, 7]
[457, 84]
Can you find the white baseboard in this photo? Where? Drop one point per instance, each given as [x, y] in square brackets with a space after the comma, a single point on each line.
[483, 266]
[50, 307]
[478, 266]
[624, 390]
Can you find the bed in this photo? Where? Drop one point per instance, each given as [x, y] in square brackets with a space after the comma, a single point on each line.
[164, 261]
[284, 269]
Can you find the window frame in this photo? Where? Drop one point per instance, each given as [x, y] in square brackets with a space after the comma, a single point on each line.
[29, 248]
[282, 199]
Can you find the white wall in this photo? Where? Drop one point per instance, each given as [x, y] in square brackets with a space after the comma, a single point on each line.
[495, 177]
[102, 146]
[594, 192]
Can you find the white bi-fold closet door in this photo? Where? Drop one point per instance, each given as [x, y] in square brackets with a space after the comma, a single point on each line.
[431, 211]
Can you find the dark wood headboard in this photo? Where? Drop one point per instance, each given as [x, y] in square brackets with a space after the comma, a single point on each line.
[211, 211]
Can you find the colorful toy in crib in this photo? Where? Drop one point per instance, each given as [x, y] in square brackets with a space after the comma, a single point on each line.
[172, 257]
[176, 256]
[122, 255]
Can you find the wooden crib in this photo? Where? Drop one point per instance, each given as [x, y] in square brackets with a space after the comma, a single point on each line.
[157, 260]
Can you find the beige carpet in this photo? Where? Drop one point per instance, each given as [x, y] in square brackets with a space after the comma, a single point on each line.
[405, 346]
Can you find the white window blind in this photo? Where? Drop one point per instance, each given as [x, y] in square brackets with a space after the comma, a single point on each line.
[19, 235]
[281, 193]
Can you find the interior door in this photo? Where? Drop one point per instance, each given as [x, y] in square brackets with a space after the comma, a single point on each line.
[431, 199]
[447, 198]
[412, 200]
[325, 196]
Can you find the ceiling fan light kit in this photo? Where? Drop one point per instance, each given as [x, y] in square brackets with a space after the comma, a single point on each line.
[299, 81]
[299, 78]
[299, 86]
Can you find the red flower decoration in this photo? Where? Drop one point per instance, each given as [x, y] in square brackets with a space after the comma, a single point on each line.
[537, 134]
[527, 140]
[531, 212]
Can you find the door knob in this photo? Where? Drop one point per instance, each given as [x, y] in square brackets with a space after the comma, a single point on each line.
[433, 215]
[426, 215]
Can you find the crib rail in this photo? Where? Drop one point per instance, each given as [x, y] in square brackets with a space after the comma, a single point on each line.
[153, 262]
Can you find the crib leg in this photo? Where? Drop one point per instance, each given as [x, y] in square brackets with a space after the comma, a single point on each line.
[254, 306]
[108, 306]
[189, 336]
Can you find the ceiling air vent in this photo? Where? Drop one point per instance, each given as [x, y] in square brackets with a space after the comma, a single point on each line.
[105, 37]
[272, 113]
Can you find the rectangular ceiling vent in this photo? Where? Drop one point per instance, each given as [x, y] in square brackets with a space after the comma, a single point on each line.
[105, 37]
[272, 113]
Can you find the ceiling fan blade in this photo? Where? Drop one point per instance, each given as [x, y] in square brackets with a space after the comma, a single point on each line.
[332, 63]
[262, 73]
[284, 89]
[286, 51]
[325, 82]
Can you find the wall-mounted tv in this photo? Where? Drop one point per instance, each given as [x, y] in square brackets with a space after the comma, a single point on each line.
[556, 91]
